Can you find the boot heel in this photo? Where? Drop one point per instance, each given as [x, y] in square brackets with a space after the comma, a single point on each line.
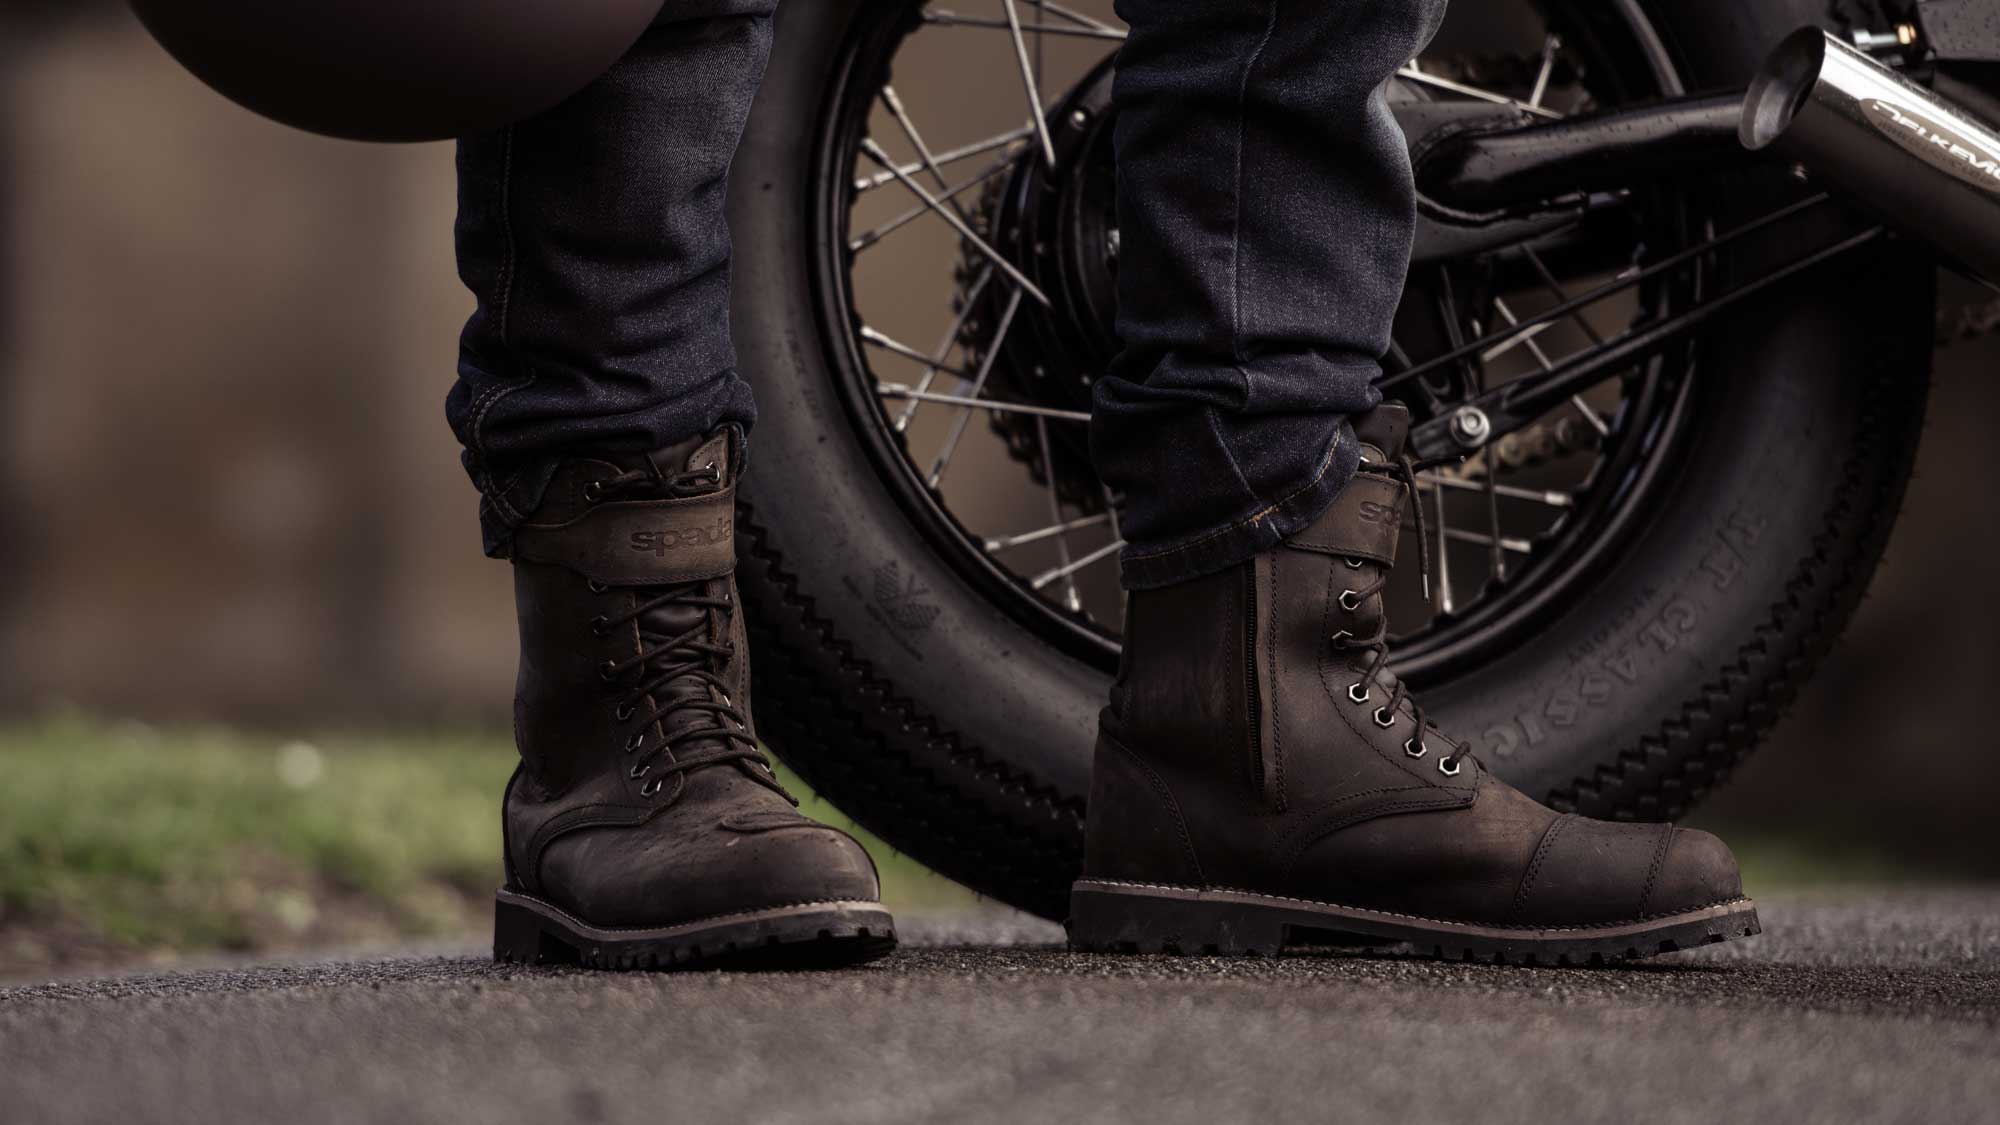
[522, 936]
[1120, 918]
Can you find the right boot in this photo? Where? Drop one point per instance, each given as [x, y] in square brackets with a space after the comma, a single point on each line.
[1262, 780]
[643, 827]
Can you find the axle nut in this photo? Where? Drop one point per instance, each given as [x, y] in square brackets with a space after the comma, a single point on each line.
[1470, 427]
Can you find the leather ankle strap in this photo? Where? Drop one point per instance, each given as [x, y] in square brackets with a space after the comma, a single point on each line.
[640, 542]
[1364, 522]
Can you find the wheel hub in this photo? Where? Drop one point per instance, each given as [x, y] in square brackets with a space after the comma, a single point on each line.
[1058, 222]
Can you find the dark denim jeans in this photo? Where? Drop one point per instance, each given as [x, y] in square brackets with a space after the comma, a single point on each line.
[1265, 211]
[1265, 205]
[594, 240]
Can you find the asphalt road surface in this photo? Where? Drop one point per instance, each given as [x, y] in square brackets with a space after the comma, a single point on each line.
[1881, 1007]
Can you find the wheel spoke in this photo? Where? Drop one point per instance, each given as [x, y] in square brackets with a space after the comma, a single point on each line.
[964, 230]
[897, 347]
[1065, 569]
[1413, 74]
[1514, 544]
[1029, 82]
[1542, 357]
[945, 344]
[978, 385]
[1561, 295]
[867, 239]
[901, 116]
[963, 152]
[1500, 349]
[1557, 291]
[1549, 497]
[1109, 550]
[1550, 46]
[942, 18]
[1076, 17]
[903, 391]
[1008, 542]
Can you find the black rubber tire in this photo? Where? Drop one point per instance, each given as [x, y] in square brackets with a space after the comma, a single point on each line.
[911, 701]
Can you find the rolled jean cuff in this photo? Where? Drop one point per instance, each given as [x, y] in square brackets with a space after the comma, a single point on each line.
[506, 500]
[1146, 566]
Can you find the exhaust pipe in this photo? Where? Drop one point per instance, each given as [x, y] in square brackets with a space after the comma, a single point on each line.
[1929, 167]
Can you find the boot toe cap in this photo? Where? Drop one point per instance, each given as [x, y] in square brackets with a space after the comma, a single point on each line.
[1594, 872]
[623, 878]
[1697, 870]
[805, 863]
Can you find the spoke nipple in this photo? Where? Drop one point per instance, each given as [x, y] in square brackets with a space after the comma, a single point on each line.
[1470, 427]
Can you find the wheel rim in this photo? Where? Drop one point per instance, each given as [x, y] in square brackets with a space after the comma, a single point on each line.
[1047, 556]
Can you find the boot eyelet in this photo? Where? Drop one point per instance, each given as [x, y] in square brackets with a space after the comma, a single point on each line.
[625, 711]
[608, 671]
[1359, 693]
[1354, 564]
[1340, 638]
[640, 771]
[652, 788]
[1383, 718]
[634, 742]
[597, 587]
[600, 625]
[1414, 748]
[1448, 767]
[593, 492]
[1350, 601]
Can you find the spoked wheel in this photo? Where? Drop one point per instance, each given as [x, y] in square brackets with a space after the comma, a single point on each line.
[1628, 583]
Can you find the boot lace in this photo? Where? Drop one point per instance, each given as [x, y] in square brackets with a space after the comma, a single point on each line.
[687, 659]
[1404, 471]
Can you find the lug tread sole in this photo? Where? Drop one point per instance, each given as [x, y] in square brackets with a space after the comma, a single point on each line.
[814, 935]
[1138, 918]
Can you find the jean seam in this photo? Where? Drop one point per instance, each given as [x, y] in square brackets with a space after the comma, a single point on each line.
[1236, 221]
[1326, 462]
[504, 301]
[510, 260]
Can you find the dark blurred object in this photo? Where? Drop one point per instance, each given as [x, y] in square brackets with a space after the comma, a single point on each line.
[18, 17]
[391, 70]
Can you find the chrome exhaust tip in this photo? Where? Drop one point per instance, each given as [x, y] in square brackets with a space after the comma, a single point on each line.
[1928, 167]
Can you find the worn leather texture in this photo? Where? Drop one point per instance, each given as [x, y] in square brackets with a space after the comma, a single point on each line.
[1245, 748]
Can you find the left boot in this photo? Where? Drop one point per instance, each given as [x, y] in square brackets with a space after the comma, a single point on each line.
[644, 828]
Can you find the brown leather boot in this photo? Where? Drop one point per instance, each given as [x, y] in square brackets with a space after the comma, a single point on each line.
[644, 828]
[1263, 780]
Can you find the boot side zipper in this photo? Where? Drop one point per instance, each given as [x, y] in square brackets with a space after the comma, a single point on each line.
[1250, 679]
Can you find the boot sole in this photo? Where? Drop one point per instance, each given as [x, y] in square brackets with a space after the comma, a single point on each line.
[814, 935]
[1118, 917]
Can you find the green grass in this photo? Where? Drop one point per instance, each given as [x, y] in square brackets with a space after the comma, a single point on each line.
[117, 839]
[121, 837]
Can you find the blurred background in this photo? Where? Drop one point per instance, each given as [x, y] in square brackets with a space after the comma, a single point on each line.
[255, 674]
